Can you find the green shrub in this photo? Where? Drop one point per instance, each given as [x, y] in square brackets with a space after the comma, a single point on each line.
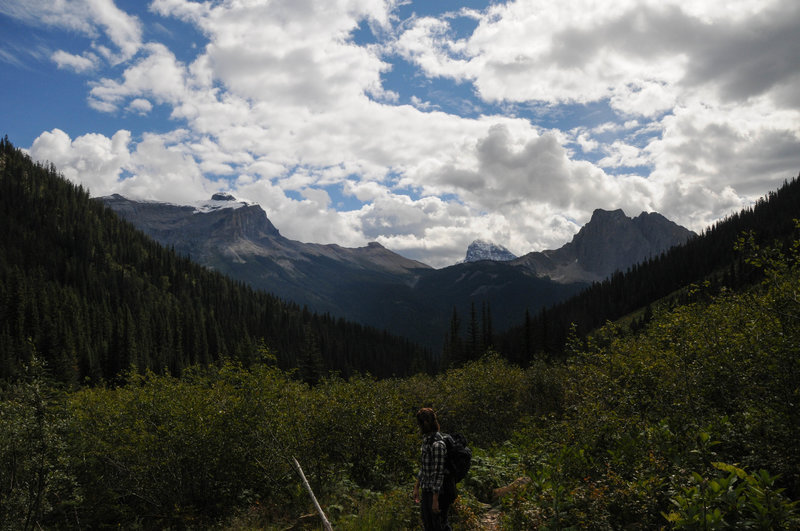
[732, 499]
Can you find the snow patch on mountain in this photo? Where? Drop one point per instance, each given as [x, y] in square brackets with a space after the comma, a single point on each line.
[217, 202]
[483, 250]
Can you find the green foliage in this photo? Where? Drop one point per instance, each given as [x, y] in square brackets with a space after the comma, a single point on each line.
[492, 470]
[481, 399]
[369, 511]
[732, 499]
[37, 486]
[186, 450]
[359, 428]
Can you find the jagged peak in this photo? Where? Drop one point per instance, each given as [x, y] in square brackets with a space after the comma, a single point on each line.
[219, 201]
[484, 250]
[601, 214]
[222, 196]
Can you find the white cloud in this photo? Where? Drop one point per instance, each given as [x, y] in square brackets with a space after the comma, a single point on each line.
[158, 167]
[622, 154]
[162, 168]
[158, 75]
[77, 63]
[749, 148]
[591, 50]
[289, 51]
[92, 160]
[123, 30]
[140, 106]
[88, 17]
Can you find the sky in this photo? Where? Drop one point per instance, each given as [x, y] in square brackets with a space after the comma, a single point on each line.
[420, 124]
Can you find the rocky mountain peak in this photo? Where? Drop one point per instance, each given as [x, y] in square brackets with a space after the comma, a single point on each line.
[606, 216]
[189, 228]
[610, 242]
[483, 250]
[251, 222]
[222, 197]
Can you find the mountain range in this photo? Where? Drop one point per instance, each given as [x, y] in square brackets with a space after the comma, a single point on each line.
[92, 296]
[380, 288]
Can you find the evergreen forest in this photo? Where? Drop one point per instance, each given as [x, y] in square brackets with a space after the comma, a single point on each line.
[140, 391]
[92, 297]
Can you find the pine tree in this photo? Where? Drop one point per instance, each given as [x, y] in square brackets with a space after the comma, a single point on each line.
[488, 332]
[453, 354]
[311, 366]
[473, 334]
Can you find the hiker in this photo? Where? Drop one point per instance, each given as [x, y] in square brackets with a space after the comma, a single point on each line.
[434, 490]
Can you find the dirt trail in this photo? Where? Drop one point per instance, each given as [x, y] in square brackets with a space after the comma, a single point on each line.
[491, 519]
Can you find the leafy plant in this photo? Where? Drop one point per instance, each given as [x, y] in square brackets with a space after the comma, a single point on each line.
[732, 499]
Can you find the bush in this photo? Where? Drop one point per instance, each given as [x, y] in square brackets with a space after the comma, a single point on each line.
[166, 450]
[732, 499]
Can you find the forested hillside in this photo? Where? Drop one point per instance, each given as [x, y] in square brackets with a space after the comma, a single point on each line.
[710, 257]
[92, 297]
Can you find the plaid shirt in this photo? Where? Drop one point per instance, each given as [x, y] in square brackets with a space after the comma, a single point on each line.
[434, 452]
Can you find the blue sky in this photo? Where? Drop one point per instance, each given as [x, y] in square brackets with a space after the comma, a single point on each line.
[422, 125]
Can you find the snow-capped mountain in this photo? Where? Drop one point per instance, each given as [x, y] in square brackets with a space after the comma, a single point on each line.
[483, 250]
[218, 201]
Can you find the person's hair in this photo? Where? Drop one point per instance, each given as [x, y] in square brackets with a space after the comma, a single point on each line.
[426, 418]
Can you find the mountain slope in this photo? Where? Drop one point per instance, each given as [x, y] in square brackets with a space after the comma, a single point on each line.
[370, 284]
[93, 296]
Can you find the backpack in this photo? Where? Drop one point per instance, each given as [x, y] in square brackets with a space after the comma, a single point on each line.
[459, 456]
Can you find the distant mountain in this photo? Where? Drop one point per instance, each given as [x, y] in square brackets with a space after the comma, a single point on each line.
[371, 284]
[610, 242]
[239, 240]
[482, 250]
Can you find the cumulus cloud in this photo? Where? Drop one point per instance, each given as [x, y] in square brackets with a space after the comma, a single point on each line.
[743, 147]
[158, 167]
[289, 52]
[93, 160]
[161, 168]
[77, 63]
[281, 105]
[140, 106]
[587, 51]
[158, 75]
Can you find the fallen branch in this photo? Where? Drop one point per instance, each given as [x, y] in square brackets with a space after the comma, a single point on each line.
[325, 523]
